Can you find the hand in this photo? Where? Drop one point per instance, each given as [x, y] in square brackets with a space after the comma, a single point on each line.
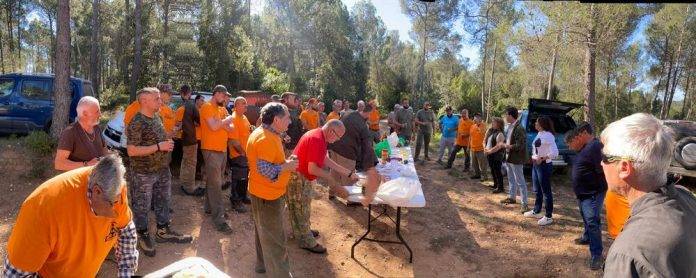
[166, 146]
[289, 165]
[92, 162]
[353, 177]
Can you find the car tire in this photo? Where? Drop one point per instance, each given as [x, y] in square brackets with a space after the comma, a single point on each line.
[685, 152]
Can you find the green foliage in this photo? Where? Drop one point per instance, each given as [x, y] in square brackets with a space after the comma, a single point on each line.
[275, 82]
[39, 143]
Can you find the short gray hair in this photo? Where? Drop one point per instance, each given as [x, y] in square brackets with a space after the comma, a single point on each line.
[272, 110]
[108, 175]
[84, 103]
[647, 140]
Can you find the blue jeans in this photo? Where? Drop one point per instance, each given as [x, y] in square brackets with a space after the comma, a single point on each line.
[541, 178]
[591, 209]
[516, 181]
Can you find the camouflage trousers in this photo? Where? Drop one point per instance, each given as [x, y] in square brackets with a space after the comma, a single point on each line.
[151, 188]
[187, 174]
[299, 209]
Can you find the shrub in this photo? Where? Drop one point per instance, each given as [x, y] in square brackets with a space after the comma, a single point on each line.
[39, 143]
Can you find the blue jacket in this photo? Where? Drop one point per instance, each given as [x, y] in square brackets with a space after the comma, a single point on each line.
[588, 176]
[448, 125]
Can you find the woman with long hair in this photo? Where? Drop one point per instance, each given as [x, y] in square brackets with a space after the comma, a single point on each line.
[495, 152]
[544, 150]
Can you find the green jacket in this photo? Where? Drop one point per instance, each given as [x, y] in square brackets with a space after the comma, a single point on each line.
[517, 154]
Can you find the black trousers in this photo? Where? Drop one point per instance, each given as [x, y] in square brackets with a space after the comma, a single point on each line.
[453, 155]
[239, 172]
[495, 163]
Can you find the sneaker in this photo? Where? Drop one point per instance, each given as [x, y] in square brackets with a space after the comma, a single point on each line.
[545, 221]
[224, 228]
[524, 208]
[497, 191]
[315, 233]
[508, 201]
[145, 243]
[416, 159]
[581, 241]
[532, 214]
[596, 263]
[317, 249]
[427, 158]
[474, 177]
[439, 161]
[165, 234]
[332, 197]
[239, 207]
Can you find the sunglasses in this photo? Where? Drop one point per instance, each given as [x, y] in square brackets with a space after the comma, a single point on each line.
[608, 159]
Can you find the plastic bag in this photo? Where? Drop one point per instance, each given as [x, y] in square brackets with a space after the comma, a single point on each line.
[393, 140]
[398, 192]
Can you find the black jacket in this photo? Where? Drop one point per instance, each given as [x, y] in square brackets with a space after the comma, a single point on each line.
[588, 176]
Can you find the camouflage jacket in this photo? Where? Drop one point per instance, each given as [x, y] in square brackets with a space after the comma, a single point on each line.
[145, 131]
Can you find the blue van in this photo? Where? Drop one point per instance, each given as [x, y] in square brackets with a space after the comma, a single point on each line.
[26, 101]
[562, 123]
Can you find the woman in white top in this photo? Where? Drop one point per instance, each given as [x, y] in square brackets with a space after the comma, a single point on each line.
[544, 150]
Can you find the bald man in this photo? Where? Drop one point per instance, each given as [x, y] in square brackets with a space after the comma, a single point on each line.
[311, 152]
[81, 143]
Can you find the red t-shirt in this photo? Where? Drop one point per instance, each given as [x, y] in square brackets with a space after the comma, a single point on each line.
[310, 148]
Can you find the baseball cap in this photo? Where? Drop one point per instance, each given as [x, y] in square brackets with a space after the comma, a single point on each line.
[221, 89]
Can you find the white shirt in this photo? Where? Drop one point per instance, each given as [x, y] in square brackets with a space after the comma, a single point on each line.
[548, 146]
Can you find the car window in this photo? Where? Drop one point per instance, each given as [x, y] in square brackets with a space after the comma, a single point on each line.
[36, 89]
[6, 86]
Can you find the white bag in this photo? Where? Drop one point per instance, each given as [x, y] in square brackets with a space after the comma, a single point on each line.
[399, 191]
[393, 140]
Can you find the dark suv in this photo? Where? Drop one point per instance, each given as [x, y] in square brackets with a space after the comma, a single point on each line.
[26, 101]
[557, 111]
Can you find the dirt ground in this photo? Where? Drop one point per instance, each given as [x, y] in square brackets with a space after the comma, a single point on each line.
[462, 232]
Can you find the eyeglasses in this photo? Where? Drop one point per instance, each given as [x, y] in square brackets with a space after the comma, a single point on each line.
[335, 133]
[608, 159]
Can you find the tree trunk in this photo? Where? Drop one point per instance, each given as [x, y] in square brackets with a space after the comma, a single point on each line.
[554, 57]
[662, 72]
[165, 45]
[19, 31]
[2, 54]
[589, 108]
[52, 49]
[490, 84]
[677, 68]
[687, 98]
[138, 48]
[616, 100]
[94, 49]
[483, 63]
[666, 94]
[61, 82]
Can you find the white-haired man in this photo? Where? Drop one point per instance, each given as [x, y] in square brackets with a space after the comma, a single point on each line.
[658, 240]
[81, 143]
[67, 226]
[335, 110]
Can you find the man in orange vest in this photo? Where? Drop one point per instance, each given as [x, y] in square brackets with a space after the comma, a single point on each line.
[373, 121]
[462, 142]
[215, 123]
[68, 225]
[478, 159]
[269, 174]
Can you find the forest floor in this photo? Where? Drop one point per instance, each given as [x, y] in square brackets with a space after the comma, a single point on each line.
[462, 232]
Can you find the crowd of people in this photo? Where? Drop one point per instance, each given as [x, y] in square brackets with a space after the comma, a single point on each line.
[68, 225]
